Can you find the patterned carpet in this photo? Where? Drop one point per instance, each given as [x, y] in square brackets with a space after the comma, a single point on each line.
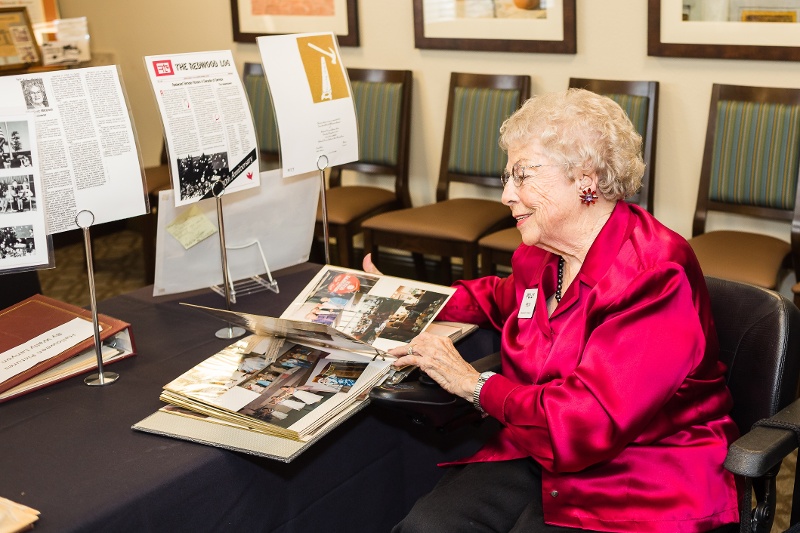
[119, 268]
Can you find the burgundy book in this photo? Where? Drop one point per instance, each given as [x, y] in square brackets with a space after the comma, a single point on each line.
[39, 314]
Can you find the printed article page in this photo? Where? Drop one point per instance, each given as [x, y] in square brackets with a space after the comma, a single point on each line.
[23, 235]
[87, 149]
[312, 100]
[207, 123]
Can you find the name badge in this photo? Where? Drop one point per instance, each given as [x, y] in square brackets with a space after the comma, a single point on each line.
[528, 303]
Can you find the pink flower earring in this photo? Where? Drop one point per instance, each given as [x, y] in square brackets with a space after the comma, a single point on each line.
[588, 196]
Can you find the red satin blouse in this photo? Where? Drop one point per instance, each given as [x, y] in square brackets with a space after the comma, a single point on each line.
[619, 395]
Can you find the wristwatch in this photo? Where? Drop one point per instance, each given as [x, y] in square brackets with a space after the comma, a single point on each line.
[476, 393]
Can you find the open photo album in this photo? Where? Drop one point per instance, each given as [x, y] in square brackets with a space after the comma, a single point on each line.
[297, 376]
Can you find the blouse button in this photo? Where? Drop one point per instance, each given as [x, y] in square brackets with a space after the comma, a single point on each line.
[554, 493]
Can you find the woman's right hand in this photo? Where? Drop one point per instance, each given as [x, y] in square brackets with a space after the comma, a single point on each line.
[369, 267]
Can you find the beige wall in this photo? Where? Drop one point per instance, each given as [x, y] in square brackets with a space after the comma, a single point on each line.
[612, 43]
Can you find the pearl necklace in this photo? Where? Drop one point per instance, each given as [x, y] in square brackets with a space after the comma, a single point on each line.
[560, 278]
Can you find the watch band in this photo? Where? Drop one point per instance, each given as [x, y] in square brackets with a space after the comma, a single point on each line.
[476, 393]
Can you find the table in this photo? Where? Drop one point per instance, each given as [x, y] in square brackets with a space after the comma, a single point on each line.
[68, 450]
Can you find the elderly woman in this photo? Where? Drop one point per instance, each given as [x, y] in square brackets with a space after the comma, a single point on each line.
[612, 401]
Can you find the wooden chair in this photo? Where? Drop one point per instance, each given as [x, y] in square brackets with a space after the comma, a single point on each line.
[158, 178]
[750, 167]
[639, 99]
[477, 106]
[255, 85]
[383, 110]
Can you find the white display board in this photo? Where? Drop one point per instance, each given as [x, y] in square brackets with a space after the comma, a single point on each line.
[312, 99]
[207, 122]
[280, 214]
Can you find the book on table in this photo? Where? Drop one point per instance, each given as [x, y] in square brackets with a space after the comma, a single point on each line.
[44, 341]
[294, 378]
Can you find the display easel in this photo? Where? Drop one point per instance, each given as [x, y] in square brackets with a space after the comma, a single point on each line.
[322, 164]
[230, 332]
[253, 284]
[84, 220]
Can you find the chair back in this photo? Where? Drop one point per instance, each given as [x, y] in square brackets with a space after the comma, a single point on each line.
[751, 158]
[477, 105]
[255, 85]
[639, 100]
[759, 338]
[383, 110]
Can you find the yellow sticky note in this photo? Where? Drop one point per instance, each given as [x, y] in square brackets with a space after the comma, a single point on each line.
[191, 227]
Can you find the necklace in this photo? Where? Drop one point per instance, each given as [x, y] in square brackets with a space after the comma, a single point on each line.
[560, 278]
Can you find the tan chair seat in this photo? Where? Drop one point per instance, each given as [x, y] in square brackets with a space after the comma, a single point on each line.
[459, 219]
[346, 204]
[506, 240]
[157, 178]
[740, 256]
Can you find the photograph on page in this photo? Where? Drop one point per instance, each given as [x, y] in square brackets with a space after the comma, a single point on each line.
[23, 235]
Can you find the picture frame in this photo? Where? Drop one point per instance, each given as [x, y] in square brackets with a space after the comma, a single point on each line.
[343, 21]
[553, 34]
[668, 35]
[18, 47]
[38, 10]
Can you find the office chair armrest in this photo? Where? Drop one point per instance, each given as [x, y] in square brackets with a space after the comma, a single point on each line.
[429, 404]
[761, 449]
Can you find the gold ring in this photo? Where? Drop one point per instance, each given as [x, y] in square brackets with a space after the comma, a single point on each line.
[410, 349]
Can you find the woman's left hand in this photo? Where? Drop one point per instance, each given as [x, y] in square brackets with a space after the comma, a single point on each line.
[436, 356]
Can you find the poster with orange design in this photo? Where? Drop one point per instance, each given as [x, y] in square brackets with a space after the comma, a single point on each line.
[312, 99]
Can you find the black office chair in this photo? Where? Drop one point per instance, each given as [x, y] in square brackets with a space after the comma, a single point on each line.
[759, 337]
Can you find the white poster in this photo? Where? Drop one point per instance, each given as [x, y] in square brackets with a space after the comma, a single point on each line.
[276, 220]
[23, 235]
[312, 100]
[207, 122]
[88, 155]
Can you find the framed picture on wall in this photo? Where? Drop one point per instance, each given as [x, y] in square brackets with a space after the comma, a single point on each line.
[18, 48]
[38, 10]
[534, 26]
[252, 18]
[731, 29]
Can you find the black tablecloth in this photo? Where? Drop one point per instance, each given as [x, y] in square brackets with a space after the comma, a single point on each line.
[69, 451]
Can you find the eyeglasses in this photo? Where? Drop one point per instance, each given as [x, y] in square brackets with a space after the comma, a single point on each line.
[518, 174]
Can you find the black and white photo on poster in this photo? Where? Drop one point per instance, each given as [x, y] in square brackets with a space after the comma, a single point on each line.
[16, 242]
[197, 174]
[17, 194]
[15, 145]
[35, 93]
[23, 234]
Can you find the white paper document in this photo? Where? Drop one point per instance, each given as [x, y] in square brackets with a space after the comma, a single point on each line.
[88, 155]
[312, 99]
[43, 347]
[207, 122]
[23, 233]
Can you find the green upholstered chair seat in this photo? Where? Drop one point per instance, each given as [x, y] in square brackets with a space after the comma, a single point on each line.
[458, 219]
[741, 256]
[505, 240]
[349, 203]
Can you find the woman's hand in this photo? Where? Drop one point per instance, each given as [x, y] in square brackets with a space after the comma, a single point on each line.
[368, 266]
[436, 356]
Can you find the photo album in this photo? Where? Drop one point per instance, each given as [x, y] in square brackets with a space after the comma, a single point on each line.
[298, 376]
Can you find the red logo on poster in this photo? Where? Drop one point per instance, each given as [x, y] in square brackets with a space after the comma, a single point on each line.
[163, 68]
[343, 284]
